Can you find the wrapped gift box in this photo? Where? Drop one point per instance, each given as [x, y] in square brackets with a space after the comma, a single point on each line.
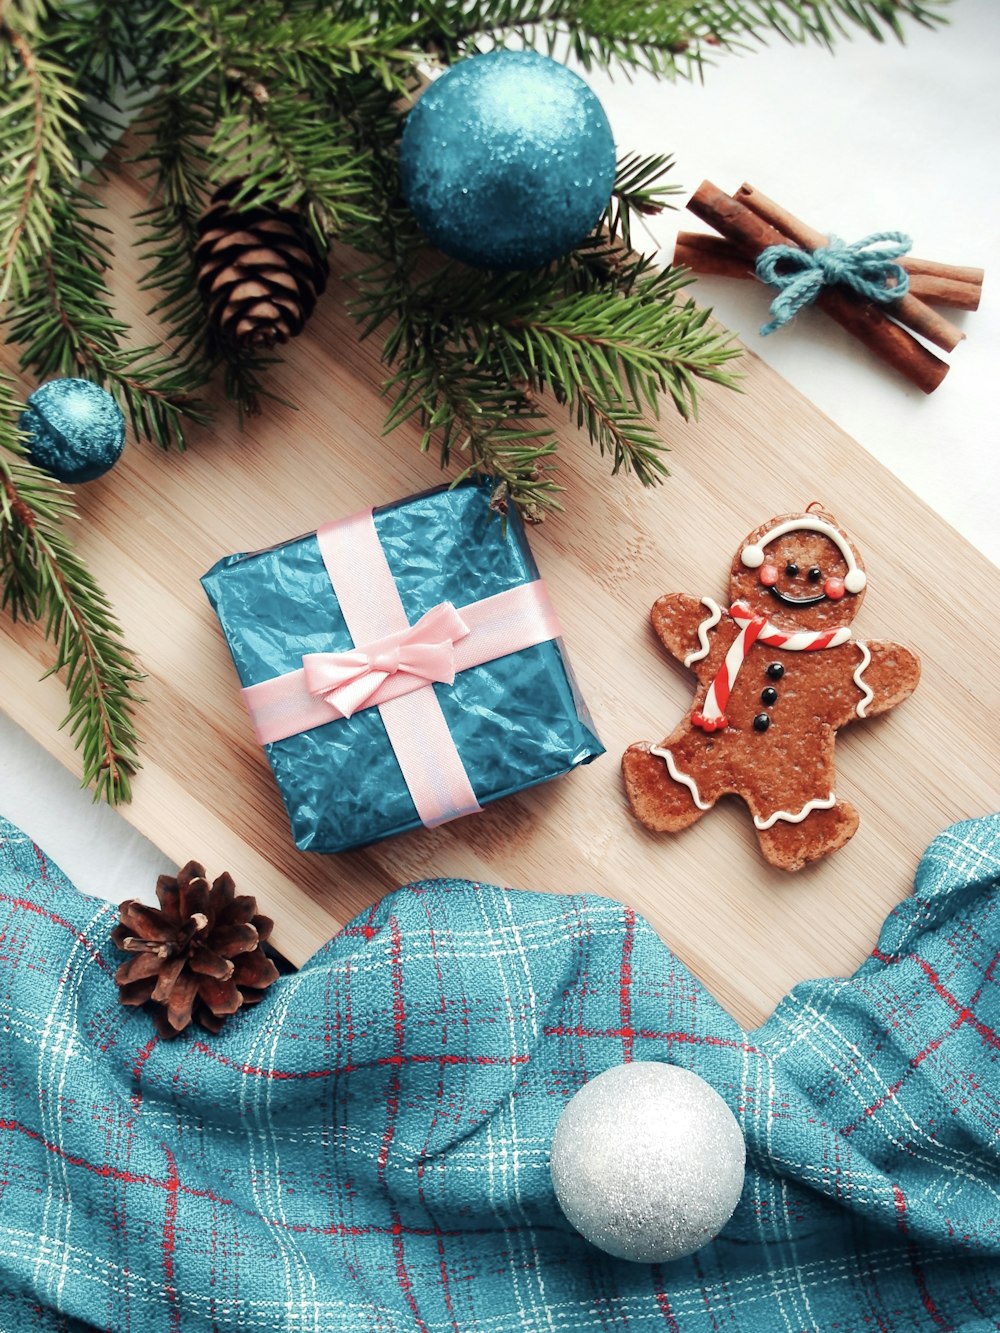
[434, 579]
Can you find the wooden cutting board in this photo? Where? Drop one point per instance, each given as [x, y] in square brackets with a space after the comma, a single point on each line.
[154, 524]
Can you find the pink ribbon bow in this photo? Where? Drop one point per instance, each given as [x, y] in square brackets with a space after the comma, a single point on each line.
[426, 649]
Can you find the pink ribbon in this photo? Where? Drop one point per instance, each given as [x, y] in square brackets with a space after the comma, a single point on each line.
[395, 664]
[347, 681]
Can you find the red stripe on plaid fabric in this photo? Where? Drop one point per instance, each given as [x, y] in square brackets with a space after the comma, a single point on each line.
[432, 1125]
[141, 1059]
[397, 1058]
[987, 979]
[875, 1106]
[106, 1172]
[398, 1023]
[649, 1034]
[625, 986]
[58, 920]
[919, 1279]
[367, 930]
[928, 1050]
[169, 1238]
[391, 1112]
[890, 1093]
[663, 1300]
[965, 1014]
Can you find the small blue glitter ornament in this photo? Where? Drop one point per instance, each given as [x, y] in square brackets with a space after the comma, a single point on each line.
[507, 161]
[75, 430]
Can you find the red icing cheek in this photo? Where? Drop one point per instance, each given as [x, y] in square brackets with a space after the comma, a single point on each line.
[768, 575]
[834, 589]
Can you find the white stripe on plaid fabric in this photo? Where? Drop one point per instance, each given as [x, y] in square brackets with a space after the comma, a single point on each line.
[250, 1182]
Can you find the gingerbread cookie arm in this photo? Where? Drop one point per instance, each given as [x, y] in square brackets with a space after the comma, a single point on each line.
[683, 625]
[886, 674]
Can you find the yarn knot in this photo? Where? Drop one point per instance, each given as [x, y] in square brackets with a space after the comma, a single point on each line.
[867, 266]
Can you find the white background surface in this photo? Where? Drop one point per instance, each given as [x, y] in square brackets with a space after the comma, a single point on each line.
[872, 138]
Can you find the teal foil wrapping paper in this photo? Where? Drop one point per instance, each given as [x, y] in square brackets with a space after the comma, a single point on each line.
[516, 721]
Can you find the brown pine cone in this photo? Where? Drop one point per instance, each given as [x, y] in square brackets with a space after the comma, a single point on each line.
[259, 270]
[198, 956]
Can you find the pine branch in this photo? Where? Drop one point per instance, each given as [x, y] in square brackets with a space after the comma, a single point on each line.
[601, 331]
[172, 131]
[107, 45]
[668, 38]
[65, 326]
[639, 188]
[500, 343]
[493, 424]
[318, 46]
[280, 146]
[37, 120]
[43, 579]
[610, 356]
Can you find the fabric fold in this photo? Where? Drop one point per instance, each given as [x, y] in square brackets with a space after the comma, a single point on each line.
[368, 1147]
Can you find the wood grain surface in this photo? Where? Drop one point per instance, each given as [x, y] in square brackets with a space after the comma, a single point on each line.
[154, 524]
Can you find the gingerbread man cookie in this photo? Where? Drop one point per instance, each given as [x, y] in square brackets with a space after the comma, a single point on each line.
[779, 673]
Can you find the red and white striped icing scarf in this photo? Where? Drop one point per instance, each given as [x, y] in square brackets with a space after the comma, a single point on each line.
[712, 716]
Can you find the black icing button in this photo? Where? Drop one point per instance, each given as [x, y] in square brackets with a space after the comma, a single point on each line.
[761, 722]
[775, 670]
[769, 696]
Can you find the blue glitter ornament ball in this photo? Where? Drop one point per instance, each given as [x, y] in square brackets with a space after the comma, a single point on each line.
[507, 161]
[75, 430]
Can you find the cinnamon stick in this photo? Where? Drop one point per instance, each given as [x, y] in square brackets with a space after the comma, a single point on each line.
[908, 310]
[726, 262]
[714, 256]
[869, 325]
[931, 268]
[944, 291]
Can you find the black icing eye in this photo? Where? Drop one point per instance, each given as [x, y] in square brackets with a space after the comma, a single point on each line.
[791, 569]
[815, 574]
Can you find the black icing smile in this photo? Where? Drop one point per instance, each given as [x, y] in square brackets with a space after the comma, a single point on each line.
[785, 600]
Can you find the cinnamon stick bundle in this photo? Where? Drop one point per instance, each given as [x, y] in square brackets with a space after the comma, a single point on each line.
[908, 310]
[752, 233]
[951, 285]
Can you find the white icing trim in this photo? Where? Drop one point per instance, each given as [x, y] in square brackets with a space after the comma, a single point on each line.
[752, 554]
[678, 776]
[820, 803]
[708, 623]
[862, 685]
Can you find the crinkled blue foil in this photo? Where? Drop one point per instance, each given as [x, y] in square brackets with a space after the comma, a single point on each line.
[516, 721]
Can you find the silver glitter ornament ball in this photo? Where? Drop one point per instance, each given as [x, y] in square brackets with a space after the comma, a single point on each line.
[647, 1162]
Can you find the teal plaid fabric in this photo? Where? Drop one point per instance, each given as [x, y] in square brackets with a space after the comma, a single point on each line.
[367, 1149]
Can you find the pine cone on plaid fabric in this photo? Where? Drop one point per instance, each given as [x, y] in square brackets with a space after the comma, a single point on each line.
[198, 956]
[259, 270]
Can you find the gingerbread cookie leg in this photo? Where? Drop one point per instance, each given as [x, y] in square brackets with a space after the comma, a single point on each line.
[665, 804]
[791, 844]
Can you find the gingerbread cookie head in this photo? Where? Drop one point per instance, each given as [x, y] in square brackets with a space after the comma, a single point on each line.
[800, 570]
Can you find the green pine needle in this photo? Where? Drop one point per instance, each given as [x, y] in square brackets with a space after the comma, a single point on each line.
[43, 579]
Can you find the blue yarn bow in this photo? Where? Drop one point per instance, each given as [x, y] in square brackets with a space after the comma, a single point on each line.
[867, 266]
